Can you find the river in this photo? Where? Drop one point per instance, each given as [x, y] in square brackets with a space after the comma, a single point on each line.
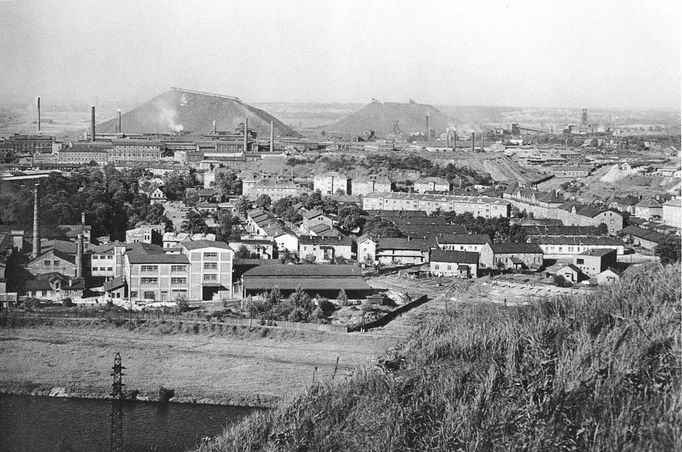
[30, 423]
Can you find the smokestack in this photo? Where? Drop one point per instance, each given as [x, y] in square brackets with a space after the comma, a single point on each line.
[272, 136]
[214, 128]
[92, 123]
[447, 138]
[38, 122]
[246, 134]
[428, 129]
[35, 252]
[120, 126]
[473, 141]
[454, 140]
[79, 256]
[482, 140]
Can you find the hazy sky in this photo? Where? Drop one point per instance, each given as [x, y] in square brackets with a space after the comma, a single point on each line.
[576, 53]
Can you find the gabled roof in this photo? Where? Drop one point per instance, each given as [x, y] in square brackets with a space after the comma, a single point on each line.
[305, 270]
[325, 240]
[515, 248]
[396, 243]
[650, 203]
[459, 257]
[600, 252]
[114, 284]
[572, 267]
[575, 240]
[310, 214]
[71, 258]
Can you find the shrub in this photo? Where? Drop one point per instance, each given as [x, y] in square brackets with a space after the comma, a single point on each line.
[181, 304]
[68, 303]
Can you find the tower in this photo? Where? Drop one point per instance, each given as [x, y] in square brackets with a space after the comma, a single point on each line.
[35, 252]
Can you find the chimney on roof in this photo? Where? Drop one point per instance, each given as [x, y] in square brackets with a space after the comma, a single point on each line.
[38, 120]
[120, 127]
[272, 136]
[92, 123]
[79, 256]
[246, 134]
[35, 252]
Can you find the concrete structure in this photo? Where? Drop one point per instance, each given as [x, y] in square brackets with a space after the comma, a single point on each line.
[370, 184]
[84, 153]
[593, 262]
[147, 233]
[155, 276]
[516, 256]
[483, 206]
[276, 189]
[129, 150]
[454, 263]
[210, 270]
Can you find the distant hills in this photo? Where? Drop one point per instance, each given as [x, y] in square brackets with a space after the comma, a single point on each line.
[381, 117]
[179, 109]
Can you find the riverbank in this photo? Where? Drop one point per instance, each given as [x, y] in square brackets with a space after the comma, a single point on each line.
[238, 366]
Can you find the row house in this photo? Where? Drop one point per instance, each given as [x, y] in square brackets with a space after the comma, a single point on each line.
[515, 256]
[431, 184]
[462, 242]
[324, 249]
[370, 184]
[573, 213]
[330, 183]
[561, 246]
[541, 204]
[129, 150]
[402, 251]
[462, 264]
[482, 206]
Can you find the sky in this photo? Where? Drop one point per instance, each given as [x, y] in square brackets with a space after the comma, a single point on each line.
[572, 54]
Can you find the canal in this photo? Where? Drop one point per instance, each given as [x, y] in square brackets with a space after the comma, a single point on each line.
[29, 423]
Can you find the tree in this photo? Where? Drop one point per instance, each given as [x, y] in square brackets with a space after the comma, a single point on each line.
[342, 298]
[350, 217]
[263, 202]
[194, 223]
[603, 229]
[378, 227]
[228, 183]
[226, 223]
[287, 256]
[244, 253]
[243, 206]
[669, 250]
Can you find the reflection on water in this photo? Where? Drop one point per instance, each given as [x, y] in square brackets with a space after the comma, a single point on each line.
[54, 424]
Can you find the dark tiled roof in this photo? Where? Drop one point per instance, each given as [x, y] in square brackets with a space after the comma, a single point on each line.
[430, 230]
[325, 240]
[394, 243]
[304, 283]
[459, 257]
[198, 244]
[311, 214]
[305, 270]
[574, 240]
[114, 283]
[560, 230]
[598, 252]
[137, 257]
[515, 248]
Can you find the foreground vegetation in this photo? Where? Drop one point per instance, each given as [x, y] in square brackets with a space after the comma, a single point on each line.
[595, 373]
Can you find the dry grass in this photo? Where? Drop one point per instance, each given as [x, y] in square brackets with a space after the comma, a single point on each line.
[601, 372]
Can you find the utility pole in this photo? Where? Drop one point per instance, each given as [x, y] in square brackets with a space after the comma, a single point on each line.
[116, 402]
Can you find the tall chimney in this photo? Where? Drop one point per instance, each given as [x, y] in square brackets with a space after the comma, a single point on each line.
[428, 129]
[473, 141]
[246, 134]
[454, 140]
[120, 126]
[79, 256]
[35, 252]
[482, 140]
[447, 138]
[214, 128]
[38, 122]
[272, 136]
[92, 123]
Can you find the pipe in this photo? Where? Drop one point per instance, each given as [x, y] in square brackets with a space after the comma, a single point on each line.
[92, 123]
[272, 136]
[35, 252]
[38, 123]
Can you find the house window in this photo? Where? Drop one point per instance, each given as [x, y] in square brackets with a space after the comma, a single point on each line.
[110, 269]
[580, 261]
[177, 281]
[210, 277]
[55, 263]
[151, 295]
[149, 280]
[133, 294]
[210, 255]
[150, 268]
[436, 266]
[178, 268]
[210, 265]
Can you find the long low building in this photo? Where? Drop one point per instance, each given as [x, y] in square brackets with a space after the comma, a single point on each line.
[559, 246]
[323, 280]
[483, 206]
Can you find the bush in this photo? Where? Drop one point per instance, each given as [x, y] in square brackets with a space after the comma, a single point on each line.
[68, 303]
[181, 304]
[32, 303]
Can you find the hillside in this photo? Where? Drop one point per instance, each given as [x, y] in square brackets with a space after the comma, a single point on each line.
[179, 109]
[595, 373]
[500, 167]
[382, 116]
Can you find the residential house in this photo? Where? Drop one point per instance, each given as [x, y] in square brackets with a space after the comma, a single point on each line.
[313, 218]
[606, 278]
[593, 262]
[573, 213]
[454, 263]
[462, 242]
[570, 273]
[330, 183]
[541, 204]
[671, 212]
[265, 248]
[562, 246]
[367, 249]
[146, 233]
[116, 288]
[431, 184]
[649, 209]
[403, 251]
[324, 249]
[370, 184]
[516, 256]
[483, 206]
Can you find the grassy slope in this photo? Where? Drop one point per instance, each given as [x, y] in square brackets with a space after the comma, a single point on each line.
[600, 373]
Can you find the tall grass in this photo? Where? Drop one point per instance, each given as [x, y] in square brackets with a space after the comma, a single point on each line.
[600, 372]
